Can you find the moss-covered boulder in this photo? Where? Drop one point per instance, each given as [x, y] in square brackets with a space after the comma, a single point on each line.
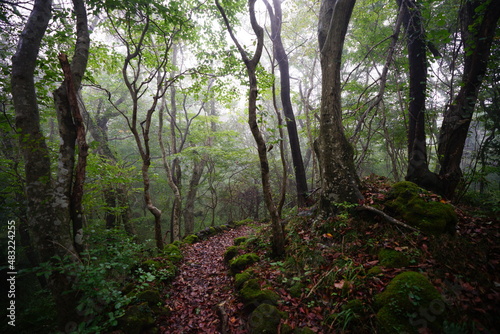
[265, 319]
[418, 209]
[296, 289]
[191, 239]
[409, 302]
[241, 278]
[391, 258]
[136, 319]
[240, 240]
[148, 266]
[241, 262]
[172, 253]
[230, 253]
[252, 295]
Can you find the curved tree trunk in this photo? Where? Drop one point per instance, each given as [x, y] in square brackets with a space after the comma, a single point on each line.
[479, 19]
[278, 237]
[339, 181]
[291, 125]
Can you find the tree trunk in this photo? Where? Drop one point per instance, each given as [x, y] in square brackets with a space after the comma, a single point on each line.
[47, 211]
[278, 237]
[191, 196]
[339, 181]
[293, 137]
[479, 20]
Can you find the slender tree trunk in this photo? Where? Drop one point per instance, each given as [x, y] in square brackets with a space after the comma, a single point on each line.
[278, 237]
[339, 181]
[191, 196]
[293, 137]
[479, 19]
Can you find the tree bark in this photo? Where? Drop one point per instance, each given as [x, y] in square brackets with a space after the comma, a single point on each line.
[293, 137]
[339, 181]
[278, 237]
[47, 210]
[479, 19]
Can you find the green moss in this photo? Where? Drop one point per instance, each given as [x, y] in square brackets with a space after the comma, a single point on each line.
[304, 330]
[241, 278]
[391, 258]
[252, 295]
[403, 302]
[414, 205]
[355, 305]
[296, 289]
[265, 319]
[136, 319]
[152, 297]
[191, 239]
[241, 262]
[172, 253]
[243, 222]
[230, 253]
[240, 240]
[374, 271]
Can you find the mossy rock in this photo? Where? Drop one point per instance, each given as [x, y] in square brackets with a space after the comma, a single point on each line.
[241, 278]
[408, 301]
[240, 240]
[147, 266]
[172, 253]
[252, 295]
[409, 201]
[303, 330]
[230, 253]
[391, 258]
[374, 271]
[191, 239]
[152, 297]
[265, 319]
[136, 319]
[296, 289]
[243, 222]
[241, 262]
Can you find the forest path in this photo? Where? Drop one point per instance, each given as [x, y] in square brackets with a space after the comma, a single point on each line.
[203, 289]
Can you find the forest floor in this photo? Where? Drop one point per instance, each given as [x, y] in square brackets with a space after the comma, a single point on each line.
[201, 299]
[331, 263]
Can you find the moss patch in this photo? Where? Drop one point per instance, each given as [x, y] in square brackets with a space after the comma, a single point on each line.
[191, 239]
[418, 209]
[230, 253]
[172, 253]
[374, 271]
[241, 278]
[265, 319]
[410, 301]
[136, 319]
[391, 258]
[252, 295]
[241, 262]
[240, 240]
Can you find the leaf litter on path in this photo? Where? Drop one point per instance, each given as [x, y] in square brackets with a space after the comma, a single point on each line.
[202, 298]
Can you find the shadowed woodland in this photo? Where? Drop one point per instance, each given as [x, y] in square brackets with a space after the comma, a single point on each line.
[250, 166]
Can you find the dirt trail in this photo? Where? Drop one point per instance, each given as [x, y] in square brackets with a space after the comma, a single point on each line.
[202, 297]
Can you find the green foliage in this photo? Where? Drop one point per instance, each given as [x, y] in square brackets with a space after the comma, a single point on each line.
[172, 253]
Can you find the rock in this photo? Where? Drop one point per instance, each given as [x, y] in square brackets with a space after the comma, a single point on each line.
[241, 262]
[408, 303]
[265, 319]
[191, 239]
[240, 240]
[172, 253]
[418, 209]
[241, 278]
[391, 258]
[136, 319]
[253, 296]
[230, 253]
